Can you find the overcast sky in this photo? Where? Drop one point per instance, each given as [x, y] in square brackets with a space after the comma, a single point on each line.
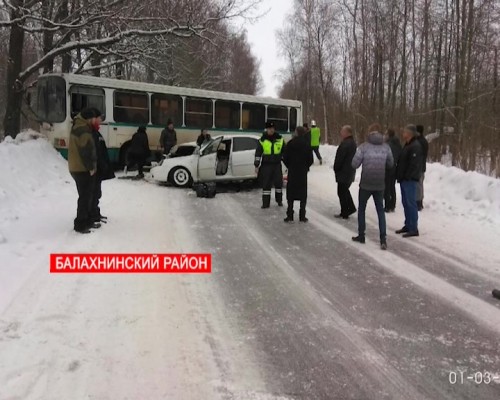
[262, 37]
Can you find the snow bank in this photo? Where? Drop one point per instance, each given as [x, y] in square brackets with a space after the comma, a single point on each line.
[31, 170]
[453, 191]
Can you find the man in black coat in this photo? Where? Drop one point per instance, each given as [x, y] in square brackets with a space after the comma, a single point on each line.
[390, 175]
[344, 172]
[298, 158]
[425, 152]
[139, 151]
[104, 169]
[408, 172]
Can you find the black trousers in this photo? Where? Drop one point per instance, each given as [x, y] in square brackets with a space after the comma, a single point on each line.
[271, 175]
[347, 206]
[302, 210]
[85, 186]
[390, 191]
[315, 149]
[95, 211]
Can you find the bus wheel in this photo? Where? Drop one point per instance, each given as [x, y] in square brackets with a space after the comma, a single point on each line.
[180, 177]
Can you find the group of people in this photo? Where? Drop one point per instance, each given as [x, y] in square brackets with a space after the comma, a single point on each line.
[297, 156]
[89, 165]
[384, 162]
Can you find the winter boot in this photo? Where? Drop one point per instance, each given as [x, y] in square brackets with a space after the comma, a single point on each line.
[358, 239]
[404, 229]
[383, 245]
[496, 293]
[279, 197]
[266, 201]
[302, 216]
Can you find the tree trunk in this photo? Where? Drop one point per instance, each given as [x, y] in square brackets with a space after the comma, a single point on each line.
[12, 118]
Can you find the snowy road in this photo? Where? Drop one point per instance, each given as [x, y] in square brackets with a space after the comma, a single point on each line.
[290, 311]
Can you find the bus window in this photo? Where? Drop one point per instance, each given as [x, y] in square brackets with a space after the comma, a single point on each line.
[131, 108]
[199, 113]
[165, 107]
[254, 116]
[293, 119]
[84, 96]
[278, 115]
[51, 99]
[227, 114]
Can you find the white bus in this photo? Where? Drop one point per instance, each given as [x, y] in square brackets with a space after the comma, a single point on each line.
[127, 105]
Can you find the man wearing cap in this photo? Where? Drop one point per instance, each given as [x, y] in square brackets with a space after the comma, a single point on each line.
[82, 164]
[315, 139]
[168, 138]
[267, 163]
[408, 172]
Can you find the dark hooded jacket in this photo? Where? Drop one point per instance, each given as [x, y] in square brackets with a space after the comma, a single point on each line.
[139, 145]
[376, 157]
[298, 158]
[104, 167]
[344, 172]
[396, 148]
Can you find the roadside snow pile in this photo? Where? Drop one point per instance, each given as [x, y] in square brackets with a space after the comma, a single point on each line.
[451, 190]
[31, 169]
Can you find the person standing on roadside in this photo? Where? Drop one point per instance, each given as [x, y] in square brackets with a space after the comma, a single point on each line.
[298, 158]
[425, 152]
[268, 156]
[390, 177]
[408, 172]
[376, 157]
[104, 168]
[168, 137]
[344, 172]
[315, 140]
[82, 164]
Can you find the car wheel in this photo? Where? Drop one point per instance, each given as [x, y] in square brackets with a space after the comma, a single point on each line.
[180, 177]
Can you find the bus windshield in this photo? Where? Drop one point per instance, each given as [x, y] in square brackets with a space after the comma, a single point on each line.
[51, 99]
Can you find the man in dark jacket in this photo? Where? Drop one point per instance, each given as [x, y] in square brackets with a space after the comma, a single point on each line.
[168, 138]
[376, 158]
[204, 137]
[298, 158]
[139, 151]
[267, 163]
[82, 164]
[104, 168]
[408, 172]
[425, 151]
[390, 177]
[344, 172]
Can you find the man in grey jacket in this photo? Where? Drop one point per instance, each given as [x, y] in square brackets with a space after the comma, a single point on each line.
[376, 157]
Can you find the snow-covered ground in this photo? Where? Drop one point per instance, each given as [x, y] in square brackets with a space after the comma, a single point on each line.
[158, 337]
[461, 216]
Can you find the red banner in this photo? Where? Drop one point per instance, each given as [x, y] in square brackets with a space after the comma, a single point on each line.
[131, 263]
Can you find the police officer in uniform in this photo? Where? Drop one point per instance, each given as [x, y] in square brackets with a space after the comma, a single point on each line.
[268, 165]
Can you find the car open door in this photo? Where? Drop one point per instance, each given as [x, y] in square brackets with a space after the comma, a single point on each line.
[207, 161]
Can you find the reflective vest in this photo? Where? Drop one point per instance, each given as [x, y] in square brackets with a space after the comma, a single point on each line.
[315, 136]
[269, 148]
